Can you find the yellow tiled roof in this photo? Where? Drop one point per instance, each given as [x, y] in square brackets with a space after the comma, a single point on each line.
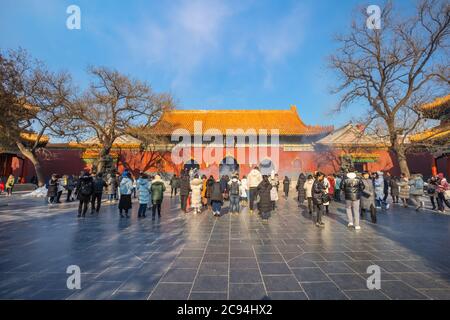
[31, 137]
[437, 108]
[286, 121]
[439, 133]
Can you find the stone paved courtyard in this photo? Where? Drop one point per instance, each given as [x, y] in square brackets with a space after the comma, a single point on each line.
[231, 257]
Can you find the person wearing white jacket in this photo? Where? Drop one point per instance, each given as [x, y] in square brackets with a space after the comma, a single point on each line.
[308, 192]
[254, 178]
[244, 190]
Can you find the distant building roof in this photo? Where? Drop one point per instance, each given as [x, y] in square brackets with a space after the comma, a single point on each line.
[286, 121]
[439, 134]
[439, 108]
[351, 135]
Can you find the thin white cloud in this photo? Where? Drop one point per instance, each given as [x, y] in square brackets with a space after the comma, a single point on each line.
[193, 33]
[189, 34]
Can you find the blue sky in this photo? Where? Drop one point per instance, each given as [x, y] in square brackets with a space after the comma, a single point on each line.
[210, 54]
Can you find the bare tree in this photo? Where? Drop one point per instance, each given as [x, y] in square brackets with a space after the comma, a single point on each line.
[31, 101]
[112, 105]
[395, 69]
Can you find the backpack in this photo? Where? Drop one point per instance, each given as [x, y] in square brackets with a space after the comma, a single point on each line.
[234, 190]
[86, 188]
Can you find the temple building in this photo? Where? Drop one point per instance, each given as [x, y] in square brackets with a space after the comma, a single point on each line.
[437, 139]
[221, 142]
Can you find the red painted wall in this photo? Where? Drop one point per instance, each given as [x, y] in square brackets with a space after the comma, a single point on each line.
[69, 161]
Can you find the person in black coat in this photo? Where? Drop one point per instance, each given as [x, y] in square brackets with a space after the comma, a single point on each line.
[99, 185]
[185, 189]
[217, 191]
[52, 189]
[286, 185]
[174, 185]
[265, 204]
[301, 193]
[85, 189]
[318, 193]
[209, 185]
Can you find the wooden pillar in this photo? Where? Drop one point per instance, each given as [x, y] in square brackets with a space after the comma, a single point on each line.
[448, 167]
[434, 170]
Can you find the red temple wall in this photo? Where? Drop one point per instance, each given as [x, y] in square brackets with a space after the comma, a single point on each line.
[68, 161]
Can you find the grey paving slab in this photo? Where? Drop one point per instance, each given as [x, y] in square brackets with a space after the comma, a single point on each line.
[185, 256]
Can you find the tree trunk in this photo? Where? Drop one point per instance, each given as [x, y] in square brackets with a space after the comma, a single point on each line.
[102, 161]
[401, 158]
[31, 155]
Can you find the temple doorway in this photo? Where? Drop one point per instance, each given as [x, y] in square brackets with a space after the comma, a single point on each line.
[229, 166]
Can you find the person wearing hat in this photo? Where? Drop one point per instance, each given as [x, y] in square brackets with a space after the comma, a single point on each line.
[157, 190]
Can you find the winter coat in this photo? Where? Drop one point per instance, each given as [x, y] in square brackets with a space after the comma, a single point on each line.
[404, 188]
[52, 188]
[286, 185]
[231, 183]
[244, 188]
[318, 190]
[204, 187]
[185, 186]
[327, 186]
[300, 187]
[442, 185]
[224, 184]
[379, 187]
[85, 187]
[308, 187]
[144, 190]
[332, 185]
[216, 192]
[395, 189]
[99, 185]
[70, 184]
[175, 182]
[265, 202]
[352, 187]
[157, 190]
[337, 184]
[209, 187]
[368, 194]
[125, 186]
[10, 182]
[111, 184]
[254, 178]
[387, 183]
[196, 196]
[416, 186]
[60, 185]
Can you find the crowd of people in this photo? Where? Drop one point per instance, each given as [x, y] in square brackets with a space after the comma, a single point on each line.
[363, 192]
